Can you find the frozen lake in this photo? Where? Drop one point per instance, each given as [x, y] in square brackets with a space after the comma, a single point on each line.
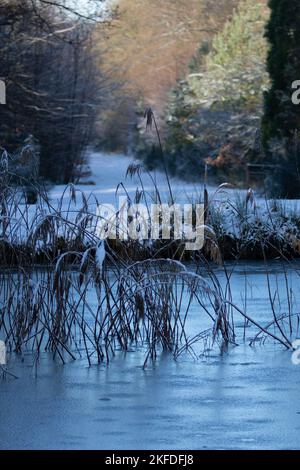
[247, 398]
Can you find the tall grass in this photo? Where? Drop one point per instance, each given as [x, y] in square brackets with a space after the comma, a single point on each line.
[96, 311]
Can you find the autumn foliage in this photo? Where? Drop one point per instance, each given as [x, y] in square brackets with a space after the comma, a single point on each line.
[148, 49]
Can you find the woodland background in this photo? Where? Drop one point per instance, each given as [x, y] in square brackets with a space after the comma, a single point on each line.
[217, 76]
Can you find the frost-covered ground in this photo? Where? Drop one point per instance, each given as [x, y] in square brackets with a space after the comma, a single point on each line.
[109, 170]
[240, 214]
[234, 211]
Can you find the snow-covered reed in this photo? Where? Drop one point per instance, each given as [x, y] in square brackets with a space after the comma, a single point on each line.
[97, 310]
[237, 224]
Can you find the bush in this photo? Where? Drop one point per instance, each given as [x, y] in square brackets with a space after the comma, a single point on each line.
[220, 104]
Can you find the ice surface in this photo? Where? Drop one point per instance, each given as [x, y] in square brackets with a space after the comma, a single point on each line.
[248, 398]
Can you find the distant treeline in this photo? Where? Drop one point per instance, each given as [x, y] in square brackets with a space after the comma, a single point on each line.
[218, 76]
[52, 79]
[148, 50]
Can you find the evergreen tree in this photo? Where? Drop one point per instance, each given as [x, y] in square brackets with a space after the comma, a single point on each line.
[283, 32]
[214, 115]
[281, 121]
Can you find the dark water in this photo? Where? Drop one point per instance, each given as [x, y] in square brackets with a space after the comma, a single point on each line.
[248, 398]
